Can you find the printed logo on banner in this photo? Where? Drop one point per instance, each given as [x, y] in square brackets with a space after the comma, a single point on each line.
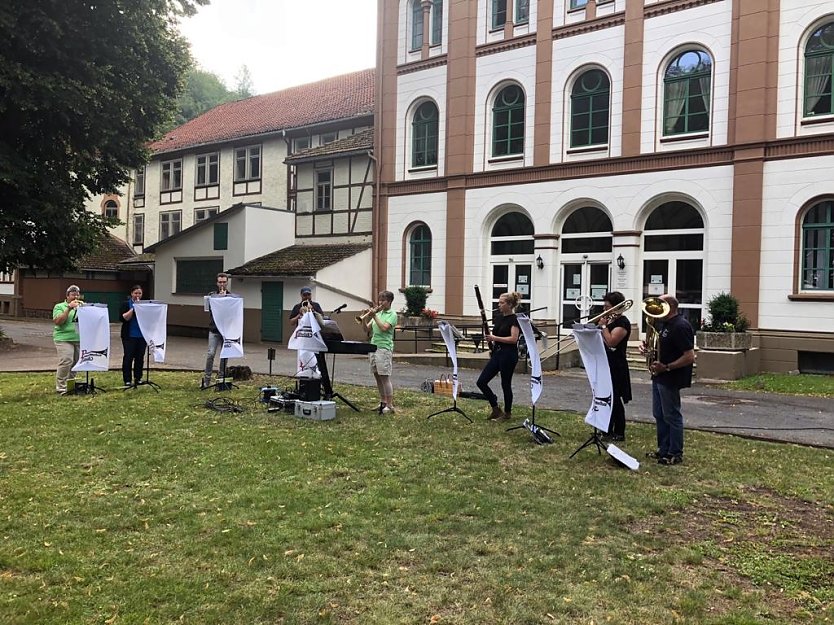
[155, 346]
[230, 342]
[88, 355]
[602, 402]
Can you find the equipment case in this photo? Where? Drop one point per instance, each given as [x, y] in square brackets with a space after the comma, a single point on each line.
[316, 410]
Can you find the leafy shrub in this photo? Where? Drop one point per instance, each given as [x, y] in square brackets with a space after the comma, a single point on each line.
[415, 300]
[724, 315]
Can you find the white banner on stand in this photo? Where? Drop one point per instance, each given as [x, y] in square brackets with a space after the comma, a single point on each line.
[592, 349]
[448, 334]
[227, 312]
[152, 317]
[94, 334]
[307, 340]
[535, 358]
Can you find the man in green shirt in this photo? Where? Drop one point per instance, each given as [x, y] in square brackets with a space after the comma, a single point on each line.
[65, 336]
[381, 326]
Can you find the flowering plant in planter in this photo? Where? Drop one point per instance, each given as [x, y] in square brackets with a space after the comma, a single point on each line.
[428, 313]
[724, 315]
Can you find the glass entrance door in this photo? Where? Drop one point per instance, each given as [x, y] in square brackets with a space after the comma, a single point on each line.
[585, 284]
[508, 277]
[684, 277]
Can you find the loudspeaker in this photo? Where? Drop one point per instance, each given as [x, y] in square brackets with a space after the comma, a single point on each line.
[309, 390]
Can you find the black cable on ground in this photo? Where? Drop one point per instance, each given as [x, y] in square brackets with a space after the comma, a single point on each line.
[224, 404]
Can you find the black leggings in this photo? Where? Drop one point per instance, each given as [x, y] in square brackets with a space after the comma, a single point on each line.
[503, 361]
[134, 349]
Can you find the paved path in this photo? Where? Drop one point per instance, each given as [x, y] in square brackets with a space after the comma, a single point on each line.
[804, 420]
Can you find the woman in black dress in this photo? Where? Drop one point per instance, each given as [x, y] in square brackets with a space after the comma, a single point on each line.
[615, 333]
[504, 339]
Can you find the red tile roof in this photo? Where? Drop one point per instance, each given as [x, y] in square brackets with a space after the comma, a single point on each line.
[340, 97]
[362, 141]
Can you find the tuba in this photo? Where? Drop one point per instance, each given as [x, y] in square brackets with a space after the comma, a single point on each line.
[653, 308]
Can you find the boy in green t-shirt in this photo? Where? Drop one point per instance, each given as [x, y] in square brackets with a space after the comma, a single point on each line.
[65, 336]
[381, 326]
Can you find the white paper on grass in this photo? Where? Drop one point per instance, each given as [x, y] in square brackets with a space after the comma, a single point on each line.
[152, 317]
[447, 331]
[94, 338]
[592, 349]
[535, 358]
[621, 456]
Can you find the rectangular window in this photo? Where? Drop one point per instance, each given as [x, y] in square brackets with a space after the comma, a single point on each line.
[170, 223]
[499, 14]
[139, 190]
[328, 137]
[172, 175]
[201, 214]
[248, 163]
[221, 236]
[324, 189]
[577, 4]
[522, 11]
[208, 169]
[437, 22]
[302, 143]
[198, 276]
[138, 229]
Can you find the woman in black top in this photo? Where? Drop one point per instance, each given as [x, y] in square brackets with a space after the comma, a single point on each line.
[504, 339]
[615, 333]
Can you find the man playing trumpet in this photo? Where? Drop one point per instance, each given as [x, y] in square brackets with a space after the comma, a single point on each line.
[305, 305]
[380, 322]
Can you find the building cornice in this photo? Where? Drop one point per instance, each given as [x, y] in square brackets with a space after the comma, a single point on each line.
[507, 44]
[417, 66]
[671, 6]
[589, 26]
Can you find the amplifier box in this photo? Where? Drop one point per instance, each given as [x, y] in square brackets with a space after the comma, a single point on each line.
[281, 404]
[309, 390]
[316, 410]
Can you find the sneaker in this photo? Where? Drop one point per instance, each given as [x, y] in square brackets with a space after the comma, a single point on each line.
[669, 460]
[387, 410]
[654, 455]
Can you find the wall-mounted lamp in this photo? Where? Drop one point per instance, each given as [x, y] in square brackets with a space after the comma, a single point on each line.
[539, 262]
[621, 262]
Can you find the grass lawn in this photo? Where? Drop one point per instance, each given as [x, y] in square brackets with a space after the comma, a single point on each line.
[805, 384]
[138, 507]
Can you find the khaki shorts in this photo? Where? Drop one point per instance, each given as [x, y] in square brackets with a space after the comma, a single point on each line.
[382, 361]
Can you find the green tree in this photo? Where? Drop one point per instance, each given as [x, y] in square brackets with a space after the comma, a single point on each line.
[244, 87]
[83, 87]
[203, 91]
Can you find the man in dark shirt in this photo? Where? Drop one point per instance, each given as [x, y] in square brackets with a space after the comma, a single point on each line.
[671, 372]
[215, 339]
[301, 307]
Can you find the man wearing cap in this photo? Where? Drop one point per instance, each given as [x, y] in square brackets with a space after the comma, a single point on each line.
[302, 307]
[65, 336]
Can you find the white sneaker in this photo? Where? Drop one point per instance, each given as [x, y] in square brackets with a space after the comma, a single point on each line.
[387, 410]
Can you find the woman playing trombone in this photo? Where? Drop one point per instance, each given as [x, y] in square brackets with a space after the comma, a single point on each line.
[616, 329]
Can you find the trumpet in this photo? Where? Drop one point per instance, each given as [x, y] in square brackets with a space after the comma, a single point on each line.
[366, 315]
[653, 308]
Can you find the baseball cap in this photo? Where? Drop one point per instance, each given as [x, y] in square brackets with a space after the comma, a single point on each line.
[306, 289]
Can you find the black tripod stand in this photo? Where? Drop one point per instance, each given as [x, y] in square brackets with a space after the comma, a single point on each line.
[88, 387]
[538, 432]
[222, 384]
[593, 439]
[147, 379]
[452, 408]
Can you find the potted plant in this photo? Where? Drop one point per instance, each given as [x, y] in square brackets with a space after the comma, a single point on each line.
[725, 328]
[415, 302]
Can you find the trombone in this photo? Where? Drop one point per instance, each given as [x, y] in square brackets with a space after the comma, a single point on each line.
[611, 313]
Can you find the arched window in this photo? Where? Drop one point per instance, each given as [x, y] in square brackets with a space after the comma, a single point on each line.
[589, 103]
[111, 209]
[424, 135]
[513, 234]
[686, 93]
[419, 256]
[588, 229]
[508, 122]
[819, 69]
[416, 25]
[818, 247]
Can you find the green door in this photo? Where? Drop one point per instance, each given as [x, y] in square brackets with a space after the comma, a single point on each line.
[113, 300]
[272, 311]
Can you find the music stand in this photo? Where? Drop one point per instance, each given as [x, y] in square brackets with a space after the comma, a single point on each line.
[88, 387]
[593, 439]
[452, 408]
[147, 379]
[538, 432]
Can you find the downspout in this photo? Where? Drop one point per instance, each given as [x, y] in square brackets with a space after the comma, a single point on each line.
[375, 227]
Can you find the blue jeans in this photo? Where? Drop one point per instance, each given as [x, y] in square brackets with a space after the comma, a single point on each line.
[215, 342]
[666, 408]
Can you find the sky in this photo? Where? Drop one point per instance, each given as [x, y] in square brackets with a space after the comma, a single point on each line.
[283, 42]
